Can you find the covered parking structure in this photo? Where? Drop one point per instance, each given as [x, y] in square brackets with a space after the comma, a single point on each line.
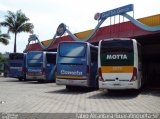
[149, 40]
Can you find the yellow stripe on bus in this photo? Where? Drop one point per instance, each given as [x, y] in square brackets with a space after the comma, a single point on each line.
[117, 69]
[70, 77]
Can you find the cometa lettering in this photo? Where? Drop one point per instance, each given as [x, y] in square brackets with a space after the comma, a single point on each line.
[118, 56]
[71, 72]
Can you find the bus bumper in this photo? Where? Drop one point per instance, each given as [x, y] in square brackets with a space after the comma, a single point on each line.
[35, 78]
[121, 85]
[71, 82]
[16, 76]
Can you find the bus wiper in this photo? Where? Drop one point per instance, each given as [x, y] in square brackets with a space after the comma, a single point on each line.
[71, 64]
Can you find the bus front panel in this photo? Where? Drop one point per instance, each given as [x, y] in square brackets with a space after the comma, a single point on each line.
[17, 65]
[35, 68]
[116, 64]
[72, 64]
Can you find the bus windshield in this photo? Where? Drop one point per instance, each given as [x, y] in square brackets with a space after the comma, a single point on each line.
[16, 57]
[72, 49]
[51, 58]
[34, 59]
[35, 55]
[117, 53]
[35, 63]
[16, 64]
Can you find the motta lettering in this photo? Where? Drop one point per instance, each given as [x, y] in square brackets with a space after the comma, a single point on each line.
[117, 56]
[71, 72]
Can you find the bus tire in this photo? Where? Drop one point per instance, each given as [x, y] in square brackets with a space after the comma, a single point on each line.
[97, 83]
[24, 79]
[69, 87]
[20, 79]
[40, 81]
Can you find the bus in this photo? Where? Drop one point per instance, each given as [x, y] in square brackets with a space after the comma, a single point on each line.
[77, 64]
[40, 66]
[16, 64]
[119, 64]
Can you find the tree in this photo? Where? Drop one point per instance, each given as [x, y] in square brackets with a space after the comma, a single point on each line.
[2, 59]
[4, 38]
[17, 23]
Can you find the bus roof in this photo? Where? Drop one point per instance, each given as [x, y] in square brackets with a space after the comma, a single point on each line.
[118, 39]
[16, 53]
[51, 52]
[89, 44]
[42, 51]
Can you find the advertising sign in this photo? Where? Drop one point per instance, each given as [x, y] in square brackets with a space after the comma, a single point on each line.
[117, 11]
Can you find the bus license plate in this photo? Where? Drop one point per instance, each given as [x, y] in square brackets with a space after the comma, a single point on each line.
[35, 77]
[116, 84]
[70, 81]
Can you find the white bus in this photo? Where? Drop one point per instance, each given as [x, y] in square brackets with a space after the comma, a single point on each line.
[119, 64]
[77, 64]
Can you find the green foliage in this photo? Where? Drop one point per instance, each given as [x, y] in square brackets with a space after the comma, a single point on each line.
[17, 23]
[2, 58]
[4, 38]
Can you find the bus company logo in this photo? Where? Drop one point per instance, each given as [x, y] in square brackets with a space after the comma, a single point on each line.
[71, 72]
[97, 16]
[118, 56]
[18, 68]
[34, 70]
[61, 29]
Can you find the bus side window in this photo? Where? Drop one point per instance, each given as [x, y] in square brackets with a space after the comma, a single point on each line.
[139, 56]
[94, 56]
[51, 58]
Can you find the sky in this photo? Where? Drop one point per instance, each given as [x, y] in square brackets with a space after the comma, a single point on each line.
[78, 15]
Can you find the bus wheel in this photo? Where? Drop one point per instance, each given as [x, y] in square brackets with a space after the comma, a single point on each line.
[69, 87]
[41, 81]
[97, 83]
[20, 79]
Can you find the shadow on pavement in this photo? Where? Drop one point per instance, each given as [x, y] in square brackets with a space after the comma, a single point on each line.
[26, 81]
[151, 91]
[10, 80]
[76, 90]
[116, 94]
[34, 82]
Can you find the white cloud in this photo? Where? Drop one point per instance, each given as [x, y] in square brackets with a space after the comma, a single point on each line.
[4, 8]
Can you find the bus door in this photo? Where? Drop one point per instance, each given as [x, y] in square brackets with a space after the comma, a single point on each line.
[94, 66]
[50, 66]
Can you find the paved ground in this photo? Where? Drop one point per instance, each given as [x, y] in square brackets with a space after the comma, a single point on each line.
[33, 97]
